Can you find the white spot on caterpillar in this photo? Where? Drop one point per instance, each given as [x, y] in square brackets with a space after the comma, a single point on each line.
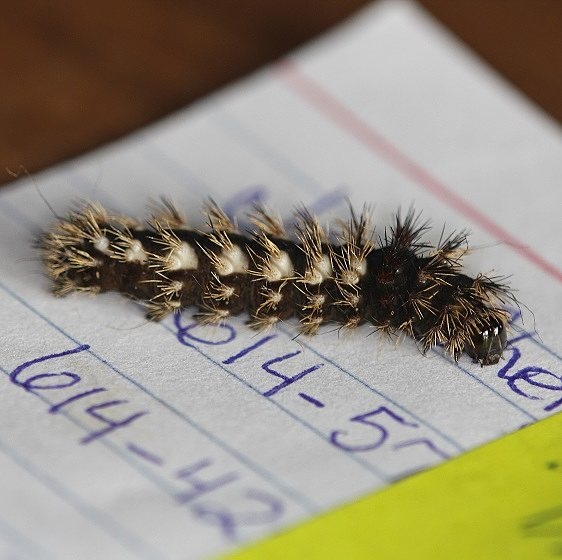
[182, 257]
[231, 261]
[355, 269]
[320, 271]
[360, 266]
[135, 252]
[278, 267]
[102, 244]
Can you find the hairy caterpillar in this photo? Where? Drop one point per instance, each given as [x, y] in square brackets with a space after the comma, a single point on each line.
[398, 284]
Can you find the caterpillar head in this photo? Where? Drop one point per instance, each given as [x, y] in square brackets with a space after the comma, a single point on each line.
[487, 346]
[463, 314]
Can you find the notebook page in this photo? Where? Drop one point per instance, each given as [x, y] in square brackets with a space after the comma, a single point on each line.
[128, 439]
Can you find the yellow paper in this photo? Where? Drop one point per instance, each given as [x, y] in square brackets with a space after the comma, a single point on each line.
[503, 500]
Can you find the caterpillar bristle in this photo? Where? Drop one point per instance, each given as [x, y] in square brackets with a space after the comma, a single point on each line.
[165, 212]
[263, 323]
[399, 284]
[217, 219]
[266, 222]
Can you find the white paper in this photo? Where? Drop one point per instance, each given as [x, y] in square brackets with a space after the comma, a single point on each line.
[214, 451]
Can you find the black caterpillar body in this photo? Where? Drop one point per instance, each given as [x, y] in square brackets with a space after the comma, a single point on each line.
[399, 285]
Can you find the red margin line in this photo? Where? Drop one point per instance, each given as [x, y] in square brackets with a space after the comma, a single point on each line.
[348, 121]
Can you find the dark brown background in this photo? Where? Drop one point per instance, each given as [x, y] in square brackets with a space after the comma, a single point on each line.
[76, 73]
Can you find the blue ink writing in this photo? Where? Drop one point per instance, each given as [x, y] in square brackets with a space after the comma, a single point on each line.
[200, 486]
[63, 380]
[184, 334]
[59, 406]
[249, 349]
[110, 424]
[30, 384]
[144, 454]
[312, 400]
[266, 366]
[338, 437]
[423, 442]
[230, 517]
[229, 521]
[534, 376]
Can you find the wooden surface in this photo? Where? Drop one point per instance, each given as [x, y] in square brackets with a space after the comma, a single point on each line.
[76, 74]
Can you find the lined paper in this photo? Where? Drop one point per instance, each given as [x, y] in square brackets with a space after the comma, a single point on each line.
[128, 439]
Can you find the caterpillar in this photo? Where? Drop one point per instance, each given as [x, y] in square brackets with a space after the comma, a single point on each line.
[397, 283]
